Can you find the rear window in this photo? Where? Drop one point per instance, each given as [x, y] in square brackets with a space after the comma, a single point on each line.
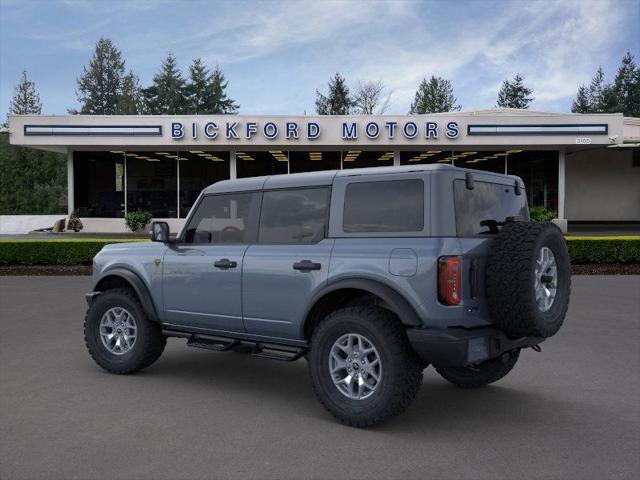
[487, 201]
[388, 206]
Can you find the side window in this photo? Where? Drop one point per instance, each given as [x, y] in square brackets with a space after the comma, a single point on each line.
[294, 216]
[227, 218]
[384, 206]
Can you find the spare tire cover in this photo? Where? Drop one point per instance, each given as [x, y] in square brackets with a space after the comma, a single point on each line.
[528, 279]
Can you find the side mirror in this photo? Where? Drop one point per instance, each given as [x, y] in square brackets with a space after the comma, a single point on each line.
[160, 232]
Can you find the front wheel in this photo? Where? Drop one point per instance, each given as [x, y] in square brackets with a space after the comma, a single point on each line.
[480, 375]
[362, 367]
[118, 334]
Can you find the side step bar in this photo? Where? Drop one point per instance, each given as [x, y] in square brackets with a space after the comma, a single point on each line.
[272, 351]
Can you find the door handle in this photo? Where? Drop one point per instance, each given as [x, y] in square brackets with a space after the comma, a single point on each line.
[225, 263]
[306, 265]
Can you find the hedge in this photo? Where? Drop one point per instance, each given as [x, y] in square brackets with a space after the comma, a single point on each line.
[79, 251]
[604, 249]
[72, 251]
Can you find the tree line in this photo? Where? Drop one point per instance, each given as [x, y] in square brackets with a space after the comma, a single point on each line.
[33, 181]
[106, 88]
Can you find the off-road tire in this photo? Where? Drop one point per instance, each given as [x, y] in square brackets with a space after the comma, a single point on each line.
[509, 279]
[402, 371]
[488, 372]
[149, 343]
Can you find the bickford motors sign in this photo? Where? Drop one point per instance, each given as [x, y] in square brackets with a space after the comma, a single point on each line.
[295, 130]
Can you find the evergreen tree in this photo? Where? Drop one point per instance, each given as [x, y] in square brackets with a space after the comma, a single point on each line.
[25, 99]
[596, 91]
[31, 181]
[218, 100]
[581, 104]
[100, 85]
[196, 89]
[167, 95]
[627, 86]
[206, 92]
[338, 101]
[433, 96]
[130, 101]
[514, 94]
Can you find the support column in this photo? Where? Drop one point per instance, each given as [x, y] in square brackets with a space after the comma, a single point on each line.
[396, 158]
[233, 174]
[562, 221]
[70, 183]
[177, 188]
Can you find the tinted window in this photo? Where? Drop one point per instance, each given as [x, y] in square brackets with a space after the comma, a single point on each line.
[487, 201]
[294, 216]
[391, 206]
[224, 219]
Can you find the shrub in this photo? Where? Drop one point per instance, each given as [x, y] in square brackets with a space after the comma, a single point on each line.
[604, 249]
[52, 252]
[137, 220]
[75, 223]
[542, 214]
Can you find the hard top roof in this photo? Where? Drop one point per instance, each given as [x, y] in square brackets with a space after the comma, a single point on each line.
[325, 177]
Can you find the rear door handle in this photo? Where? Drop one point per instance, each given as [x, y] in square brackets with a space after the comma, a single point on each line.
[225, 263]
[306, 265]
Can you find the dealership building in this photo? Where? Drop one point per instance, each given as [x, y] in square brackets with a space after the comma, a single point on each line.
[585, 167]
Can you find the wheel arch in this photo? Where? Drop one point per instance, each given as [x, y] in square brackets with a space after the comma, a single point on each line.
[342, 292]
[122, 277]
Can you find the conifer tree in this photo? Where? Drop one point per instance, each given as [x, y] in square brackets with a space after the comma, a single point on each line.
[433, 96]
[514, 94]
[100, 85]
[25, 99]
[338, 100]
[130, 101]
[627, 86]
[581, 104]
[167, 94]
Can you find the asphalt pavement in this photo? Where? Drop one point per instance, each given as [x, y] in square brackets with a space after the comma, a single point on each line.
[572, 411]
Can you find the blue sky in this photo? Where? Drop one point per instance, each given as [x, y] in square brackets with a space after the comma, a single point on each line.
[275, 54]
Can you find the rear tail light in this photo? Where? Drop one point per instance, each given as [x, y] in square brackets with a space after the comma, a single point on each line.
[449, 272]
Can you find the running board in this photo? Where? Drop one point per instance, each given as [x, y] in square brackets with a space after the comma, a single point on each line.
[218, 344]
[272, 351]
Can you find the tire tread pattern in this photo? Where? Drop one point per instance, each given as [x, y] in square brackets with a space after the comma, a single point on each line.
[152, 341]
[509, 280]
[404, 387]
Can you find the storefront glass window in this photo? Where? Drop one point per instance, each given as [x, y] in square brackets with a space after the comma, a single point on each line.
[539, 171]
[363, 158]
[152, 184]
[258, 163]
[313, 161]
[99, 184]
[198, 170]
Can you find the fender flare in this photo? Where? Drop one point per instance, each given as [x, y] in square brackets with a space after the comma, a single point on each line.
[396, 302]
[138, 286]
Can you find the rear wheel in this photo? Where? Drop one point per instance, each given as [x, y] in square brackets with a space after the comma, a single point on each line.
[362, 367]
[118, 334]
[488, 372]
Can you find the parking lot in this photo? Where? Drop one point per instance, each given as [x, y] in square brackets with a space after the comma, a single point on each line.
[572, 411]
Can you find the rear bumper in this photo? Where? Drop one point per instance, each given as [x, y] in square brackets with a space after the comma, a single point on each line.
[458, 347]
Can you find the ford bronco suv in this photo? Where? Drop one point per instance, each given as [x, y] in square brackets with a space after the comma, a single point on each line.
[370, 274]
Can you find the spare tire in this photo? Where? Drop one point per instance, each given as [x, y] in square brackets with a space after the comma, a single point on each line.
[528, 279]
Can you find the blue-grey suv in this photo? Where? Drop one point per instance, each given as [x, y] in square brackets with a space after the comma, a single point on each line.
[369, 274]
